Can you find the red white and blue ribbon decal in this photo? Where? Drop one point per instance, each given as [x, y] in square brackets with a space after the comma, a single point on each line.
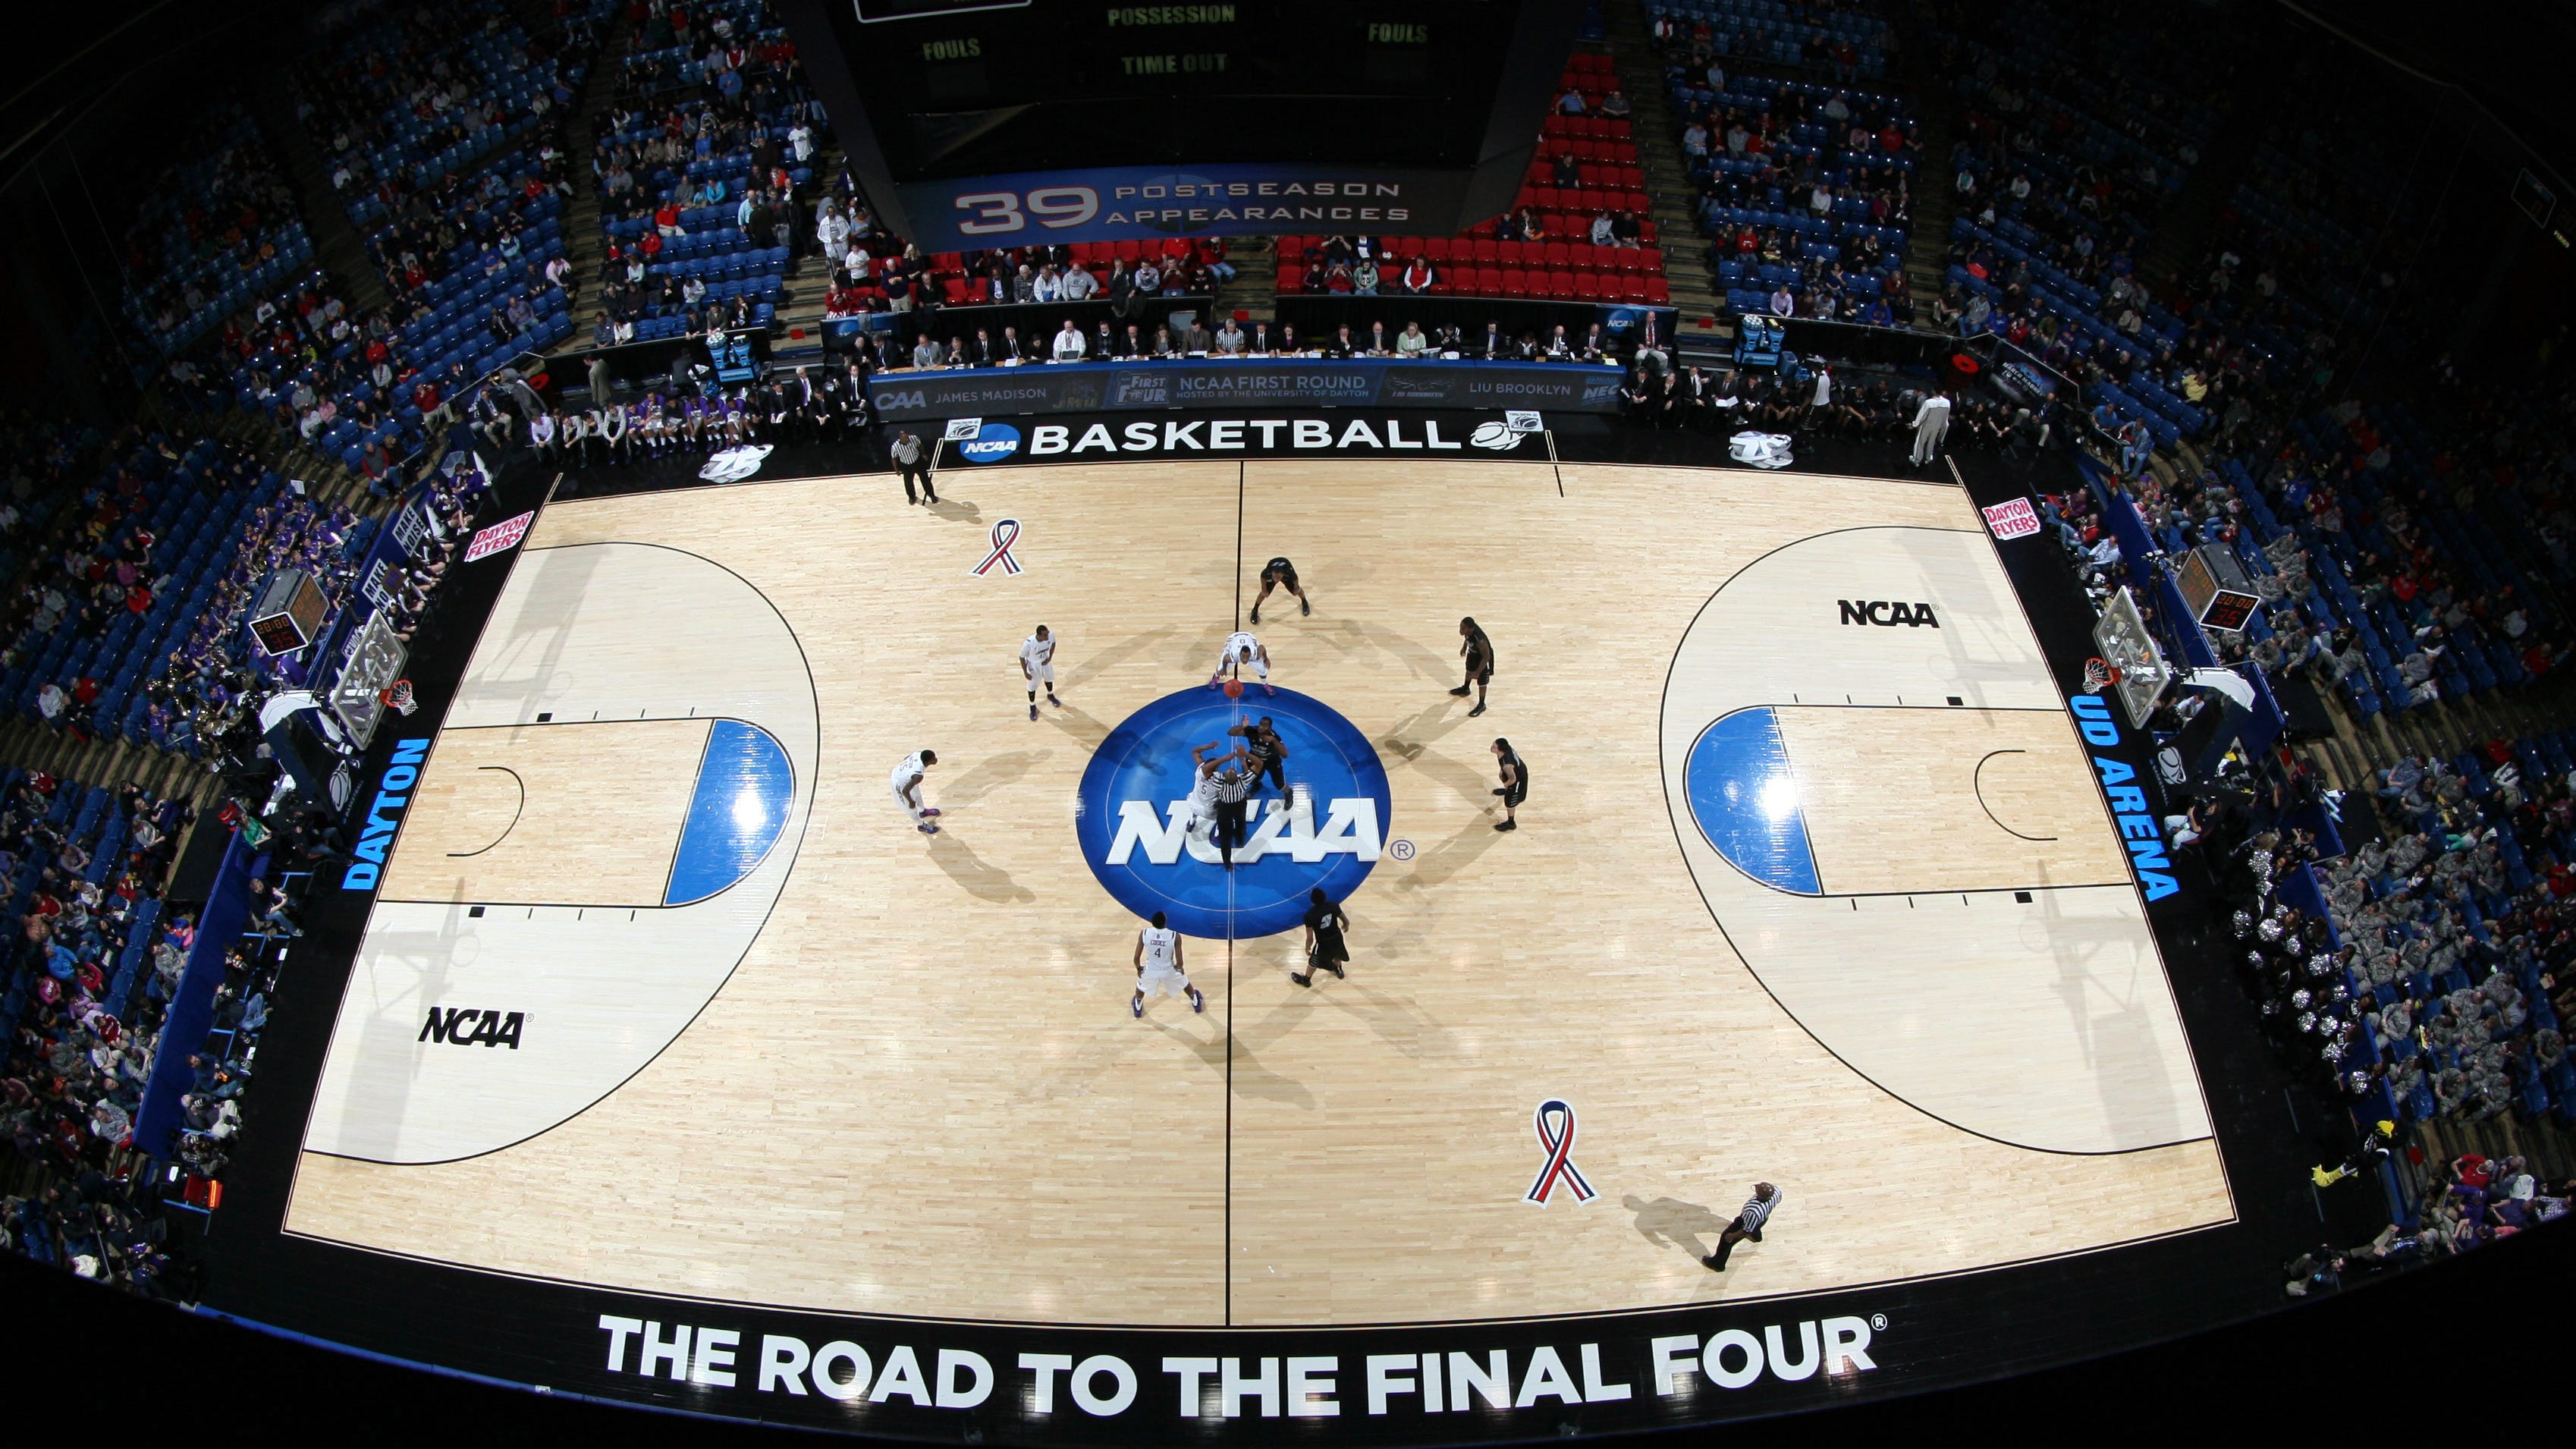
[1555, 1123]
[1005, 533]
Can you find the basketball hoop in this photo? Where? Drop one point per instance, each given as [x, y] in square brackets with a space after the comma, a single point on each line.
[2099, 675]
[397, 697]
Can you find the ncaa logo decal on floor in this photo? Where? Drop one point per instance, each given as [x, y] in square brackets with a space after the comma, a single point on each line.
[1134, 818]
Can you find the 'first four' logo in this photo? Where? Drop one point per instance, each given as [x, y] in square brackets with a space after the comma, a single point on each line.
[384, 816]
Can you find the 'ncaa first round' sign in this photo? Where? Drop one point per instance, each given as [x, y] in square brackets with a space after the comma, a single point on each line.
[1135, 821]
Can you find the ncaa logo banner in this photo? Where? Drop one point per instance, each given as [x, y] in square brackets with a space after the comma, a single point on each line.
[1155, 848]
[991, 443]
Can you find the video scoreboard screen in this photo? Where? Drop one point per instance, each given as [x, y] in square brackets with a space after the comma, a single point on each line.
[999, 122]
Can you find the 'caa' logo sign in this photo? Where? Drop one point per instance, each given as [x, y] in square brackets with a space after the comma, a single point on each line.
[996, 442]
[1136, 827]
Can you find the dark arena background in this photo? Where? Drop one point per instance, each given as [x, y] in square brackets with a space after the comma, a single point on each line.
[1402, 723]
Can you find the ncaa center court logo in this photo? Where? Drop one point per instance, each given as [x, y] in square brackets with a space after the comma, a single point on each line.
[1144, 841]
[991, 444]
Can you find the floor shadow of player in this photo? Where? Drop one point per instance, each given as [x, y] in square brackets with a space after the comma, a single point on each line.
[1436, 865]
[1086, 731]
[1421, 659]
[1101, 661]
[957, 511]
[1394, 1020]
[1411, 740]
[990, 775]
[964, 866]
[1671, 1223]
[1250, 1077]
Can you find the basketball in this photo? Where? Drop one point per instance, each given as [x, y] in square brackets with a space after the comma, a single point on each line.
[1234, 689]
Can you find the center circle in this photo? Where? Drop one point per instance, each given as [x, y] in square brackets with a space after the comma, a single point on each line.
[1135, 821]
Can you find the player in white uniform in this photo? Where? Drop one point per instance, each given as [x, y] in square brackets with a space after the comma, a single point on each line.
[1242, 652]
[906, 781]
[1037, 666]
[1203, 794]
[1158, 968]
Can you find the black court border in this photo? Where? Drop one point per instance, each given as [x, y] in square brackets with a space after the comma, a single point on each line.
[1924, 1333]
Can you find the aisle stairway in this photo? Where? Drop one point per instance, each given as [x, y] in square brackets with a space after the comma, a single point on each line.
[337, 247]
[796, 329]
[1936, 112]
[1704, 327]
[584, 246]
[1255, 289]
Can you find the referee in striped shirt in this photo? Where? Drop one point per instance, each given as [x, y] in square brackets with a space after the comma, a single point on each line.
[1233, 783]
[1747, 1224]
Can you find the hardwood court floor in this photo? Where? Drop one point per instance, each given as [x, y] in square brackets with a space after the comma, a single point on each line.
[921, 1092]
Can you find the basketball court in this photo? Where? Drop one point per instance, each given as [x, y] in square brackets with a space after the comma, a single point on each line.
[1815, 884]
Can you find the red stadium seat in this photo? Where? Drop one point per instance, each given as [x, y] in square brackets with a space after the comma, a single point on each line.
[1591, 202]
[1559, 256]
[1437, 249]
[1515, 282]
[1591, 173]
[1649, 226]
[1613, 128]
[1489, 252]
[1587, 287]
[1650, 260]
[1657, 292]
[1513, 254]
[1633, 177]
[1561, 285]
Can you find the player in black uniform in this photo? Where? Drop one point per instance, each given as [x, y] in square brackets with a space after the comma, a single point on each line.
[1480, 663]
[1515, 783]
[1325, 950]
[1268, 755]
[1279, 573]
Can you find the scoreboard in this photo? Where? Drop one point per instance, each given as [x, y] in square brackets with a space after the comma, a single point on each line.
[1000, 122]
